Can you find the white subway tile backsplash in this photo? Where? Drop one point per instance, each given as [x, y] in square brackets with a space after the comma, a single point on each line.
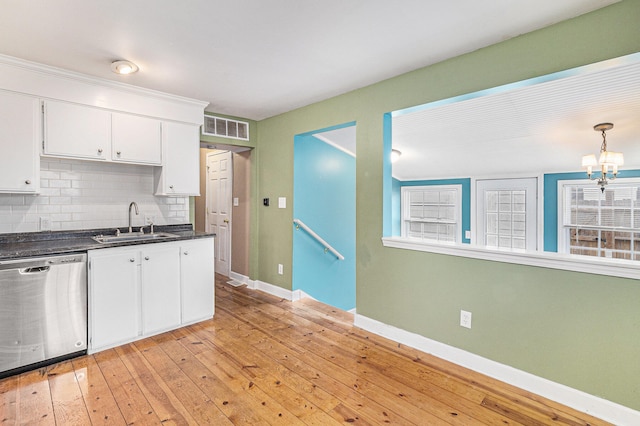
[78, 194]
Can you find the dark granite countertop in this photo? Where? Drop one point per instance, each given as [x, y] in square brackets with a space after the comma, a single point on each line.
[31, 244]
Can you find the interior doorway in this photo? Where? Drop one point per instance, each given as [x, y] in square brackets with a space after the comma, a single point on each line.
[239, 226]
[324, 208]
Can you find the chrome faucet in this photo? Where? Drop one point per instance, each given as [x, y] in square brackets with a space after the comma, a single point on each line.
[133, 204]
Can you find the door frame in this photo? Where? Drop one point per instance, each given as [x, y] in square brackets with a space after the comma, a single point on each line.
[230, 201]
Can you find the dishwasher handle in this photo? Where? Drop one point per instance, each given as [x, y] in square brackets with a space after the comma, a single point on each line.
[35, 270]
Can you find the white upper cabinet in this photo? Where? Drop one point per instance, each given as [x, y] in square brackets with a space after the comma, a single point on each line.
[76, 131]
[20, 131]
[136, 139]
[80, 131]
[180, 174]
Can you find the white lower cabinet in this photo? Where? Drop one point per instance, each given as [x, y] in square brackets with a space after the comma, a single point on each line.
[197, 276]
[139, 291]
[114, 297]
[160, 271]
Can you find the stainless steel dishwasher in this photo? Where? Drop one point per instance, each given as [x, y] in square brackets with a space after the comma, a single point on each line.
[43, 311]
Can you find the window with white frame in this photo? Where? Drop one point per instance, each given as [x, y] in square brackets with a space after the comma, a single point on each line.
[506, 213]
[600, 223]
[432, 213]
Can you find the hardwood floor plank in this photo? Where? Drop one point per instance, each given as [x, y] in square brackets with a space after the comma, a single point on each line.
[68, 404]
[9, 389]
[200, 405]
[164, 403]
[131, 401]
[331, 346]
[298, 396]
[369, 410]
[35, 405]
[100, 403]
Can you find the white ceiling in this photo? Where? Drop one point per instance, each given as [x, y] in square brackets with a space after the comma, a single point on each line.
[538, 127]
[258, 58]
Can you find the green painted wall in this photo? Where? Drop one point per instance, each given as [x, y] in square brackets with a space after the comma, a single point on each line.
[576, 329]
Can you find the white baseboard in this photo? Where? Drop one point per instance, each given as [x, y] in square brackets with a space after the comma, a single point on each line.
[579, 400]
[238, 277]
[272, 289]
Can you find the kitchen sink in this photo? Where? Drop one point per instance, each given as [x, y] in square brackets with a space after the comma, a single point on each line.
[132, 237]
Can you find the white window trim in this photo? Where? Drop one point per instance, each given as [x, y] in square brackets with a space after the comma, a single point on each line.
[456, 187]
[562, 235]
[561, 261]
[539, 205]
[509, 183]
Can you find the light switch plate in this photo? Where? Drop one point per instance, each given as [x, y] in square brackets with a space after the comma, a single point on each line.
[236, 202]
[282, 202]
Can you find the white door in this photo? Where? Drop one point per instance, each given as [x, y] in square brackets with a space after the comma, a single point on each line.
[219, 193]
[506, 213]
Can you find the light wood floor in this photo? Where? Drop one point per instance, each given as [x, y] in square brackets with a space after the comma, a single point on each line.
[264, 361]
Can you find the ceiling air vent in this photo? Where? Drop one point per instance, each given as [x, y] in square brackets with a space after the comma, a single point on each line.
[226, 128]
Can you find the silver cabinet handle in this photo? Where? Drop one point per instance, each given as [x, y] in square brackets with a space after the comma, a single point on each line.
[28, 182]
[146, 258]
[132, 260]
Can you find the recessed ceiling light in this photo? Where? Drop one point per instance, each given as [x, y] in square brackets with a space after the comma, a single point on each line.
[123, 67]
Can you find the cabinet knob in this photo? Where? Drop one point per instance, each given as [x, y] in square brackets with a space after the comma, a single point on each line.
[186, 253]
[132, 260]
[118, 152]
[28, 182]
[99, 150]
[170, 186]
[146, 258]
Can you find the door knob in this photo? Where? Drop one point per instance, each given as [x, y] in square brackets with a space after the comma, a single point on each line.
[226, 221]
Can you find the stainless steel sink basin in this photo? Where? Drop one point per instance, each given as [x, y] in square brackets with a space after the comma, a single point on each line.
[133, 236]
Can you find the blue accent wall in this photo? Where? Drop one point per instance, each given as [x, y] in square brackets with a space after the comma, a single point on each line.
[324, 197]
[387, 186]
[466, 200]
[396, 208]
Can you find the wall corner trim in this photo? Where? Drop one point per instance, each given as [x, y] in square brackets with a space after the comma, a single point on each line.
[576, 399]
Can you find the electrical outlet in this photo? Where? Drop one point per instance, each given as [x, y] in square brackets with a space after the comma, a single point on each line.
[465, 319]
[45, 223]
[280, 269]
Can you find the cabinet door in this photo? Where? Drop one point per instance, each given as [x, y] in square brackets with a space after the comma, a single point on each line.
[78, 131]
[197, 279]
[136, 139]
[114, 297]
[160, 288]
[180, 174]
[19, 134]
